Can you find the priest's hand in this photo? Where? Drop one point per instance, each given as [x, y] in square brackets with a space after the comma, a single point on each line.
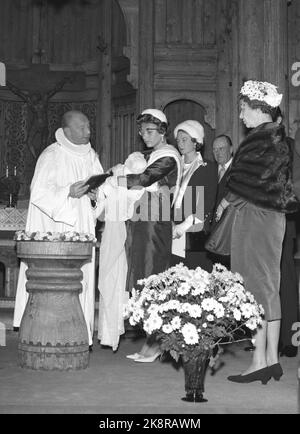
[78, 189]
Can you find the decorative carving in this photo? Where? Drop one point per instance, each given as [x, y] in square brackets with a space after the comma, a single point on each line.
[102, 45]
[37, 103]
[13, 135]
[12, 219]
[15, 126]
[130, 10]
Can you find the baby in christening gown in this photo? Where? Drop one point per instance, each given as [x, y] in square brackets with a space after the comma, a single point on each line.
[119, 207]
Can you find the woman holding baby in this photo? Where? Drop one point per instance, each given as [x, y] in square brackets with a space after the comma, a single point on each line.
[149, 230]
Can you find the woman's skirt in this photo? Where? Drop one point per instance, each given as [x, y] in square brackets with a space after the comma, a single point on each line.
[256, 246]
[148, 249]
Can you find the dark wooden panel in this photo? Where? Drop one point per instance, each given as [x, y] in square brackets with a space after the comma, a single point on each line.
[124, 131]
[187, 20]
[118, 30]
[198, 29]
[174, 21]
[15, 31]
[160, 18]
[210, 20]
[73, 32]
[146, 55]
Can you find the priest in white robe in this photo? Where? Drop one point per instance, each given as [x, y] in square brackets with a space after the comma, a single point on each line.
[59, 202]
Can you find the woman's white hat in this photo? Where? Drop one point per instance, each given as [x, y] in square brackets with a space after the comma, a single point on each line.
[193, 128]
[158, 114]
[262, 91]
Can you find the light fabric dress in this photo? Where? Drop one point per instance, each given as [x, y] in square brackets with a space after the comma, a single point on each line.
[51, 209]
[116, 264]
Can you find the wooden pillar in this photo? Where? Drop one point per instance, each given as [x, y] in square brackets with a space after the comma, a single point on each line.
[224, 100]
[146, 55]
[276, 48]
[259, 47]
[104, 104]
[235, 135]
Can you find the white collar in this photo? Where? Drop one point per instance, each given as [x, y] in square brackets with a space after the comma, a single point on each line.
[65, 143]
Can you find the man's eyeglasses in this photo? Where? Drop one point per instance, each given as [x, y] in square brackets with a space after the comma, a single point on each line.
[147, 131]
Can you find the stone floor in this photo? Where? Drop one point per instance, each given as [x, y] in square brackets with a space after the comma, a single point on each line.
[113, 384]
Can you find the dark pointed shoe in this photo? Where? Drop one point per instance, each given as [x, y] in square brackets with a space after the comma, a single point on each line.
[199, 397]
[194, 397]
[263, 375]
[276, 371]
[189, 397]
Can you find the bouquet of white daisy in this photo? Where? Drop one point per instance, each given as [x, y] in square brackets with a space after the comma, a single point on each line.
[191, 311]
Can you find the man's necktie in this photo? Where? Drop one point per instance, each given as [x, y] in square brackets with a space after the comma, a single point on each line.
[222, 170]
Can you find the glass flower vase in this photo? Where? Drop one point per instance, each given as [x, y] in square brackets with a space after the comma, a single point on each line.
[194, 375]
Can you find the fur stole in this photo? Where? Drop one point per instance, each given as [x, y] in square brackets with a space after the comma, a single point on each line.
[261, 170]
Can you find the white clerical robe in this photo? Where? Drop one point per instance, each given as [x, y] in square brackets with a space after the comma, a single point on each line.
[51, 209]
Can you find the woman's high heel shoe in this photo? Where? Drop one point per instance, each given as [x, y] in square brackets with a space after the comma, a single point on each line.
[263, 375]
[148, 359]
[134, 356]
[276, 371]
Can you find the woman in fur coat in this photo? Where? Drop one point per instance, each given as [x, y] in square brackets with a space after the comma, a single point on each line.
[260, 188]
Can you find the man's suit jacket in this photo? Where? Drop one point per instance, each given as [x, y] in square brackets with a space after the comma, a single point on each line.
[222, 190]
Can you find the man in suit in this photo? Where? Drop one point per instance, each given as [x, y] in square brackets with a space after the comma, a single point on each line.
[222, 150]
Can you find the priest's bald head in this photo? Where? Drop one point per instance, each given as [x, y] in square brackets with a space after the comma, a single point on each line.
[76, 127]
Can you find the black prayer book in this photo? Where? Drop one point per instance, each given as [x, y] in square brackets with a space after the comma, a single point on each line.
[97, 180]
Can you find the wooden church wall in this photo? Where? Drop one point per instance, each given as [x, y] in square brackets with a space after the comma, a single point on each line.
[185, 60]
[185, 22]
[68, 31]
[68, 38]
[16, 31]
[189, 52]
[72, 32]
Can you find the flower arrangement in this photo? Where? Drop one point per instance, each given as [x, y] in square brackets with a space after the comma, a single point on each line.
[54, 236]
[192, 310]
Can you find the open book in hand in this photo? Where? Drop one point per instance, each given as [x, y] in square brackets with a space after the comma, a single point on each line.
[96, 180]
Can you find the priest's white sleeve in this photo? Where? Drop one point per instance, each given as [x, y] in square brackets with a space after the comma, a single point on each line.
[46, 193]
